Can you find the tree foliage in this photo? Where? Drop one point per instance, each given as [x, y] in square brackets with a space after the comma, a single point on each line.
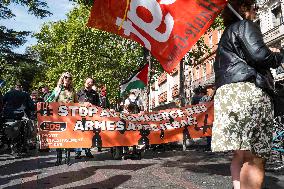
[9, 38]
[69, 45]
[196, 54]
[20, 71]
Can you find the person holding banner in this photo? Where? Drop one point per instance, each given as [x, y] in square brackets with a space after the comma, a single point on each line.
[87, 94]
[210, 92]
[64, 92]
[133, 104]
[243, 108]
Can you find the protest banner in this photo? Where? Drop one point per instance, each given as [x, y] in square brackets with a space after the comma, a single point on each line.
[81, 125]
[167, 28]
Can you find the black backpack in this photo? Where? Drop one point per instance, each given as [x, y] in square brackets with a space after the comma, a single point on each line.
[278, 99]
[133, 107]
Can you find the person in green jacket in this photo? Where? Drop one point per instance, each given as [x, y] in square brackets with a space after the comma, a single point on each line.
[64, 92]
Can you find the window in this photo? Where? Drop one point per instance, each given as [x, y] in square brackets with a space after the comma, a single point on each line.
[276, 16]
[204, 71]
[197, 73]
[163, 87]
[210, 41]
[279, 70]
[219, 35]
[211, 65]
[175, 80]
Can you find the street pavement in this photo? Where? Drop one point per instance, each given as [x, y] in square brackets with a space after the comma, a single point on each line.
[170, 169]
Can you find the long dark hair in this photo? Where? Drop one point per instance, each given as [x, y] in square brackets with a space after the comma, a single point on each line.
[229, 17]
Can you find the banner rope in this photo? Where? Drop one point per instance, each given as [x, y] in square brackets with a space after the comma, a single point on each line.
[125, 14]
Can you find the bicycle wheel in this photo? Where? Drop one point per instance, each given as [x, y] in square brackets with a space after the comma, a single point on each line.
[276, 161]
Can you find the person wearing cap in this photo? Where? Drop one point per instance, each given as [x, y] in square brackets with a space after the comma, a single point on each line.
[210, 91]
[243, 107]
[64, 92]
[87, 94]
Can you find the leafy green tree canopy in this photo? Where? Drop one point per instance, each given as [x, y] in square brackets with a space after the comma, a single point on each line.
[69, 45]
[9, 38]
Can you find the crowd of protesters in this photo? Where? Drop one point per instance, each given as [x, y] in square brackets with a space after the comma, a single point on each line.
[203, 94]
[17, 99]
[243, 109]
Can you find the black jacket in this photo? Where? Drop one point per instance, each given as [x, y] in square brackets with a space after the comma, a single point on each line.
[243, 56]
[89, 96]
[15, 100]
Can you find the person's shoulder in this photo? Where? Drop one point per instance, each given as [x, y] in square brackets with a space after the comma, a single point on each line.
[94, 91]
[9, 92]
[246, 24]
[240, 22]
[81, 91]
[241, 27]
[127, 100]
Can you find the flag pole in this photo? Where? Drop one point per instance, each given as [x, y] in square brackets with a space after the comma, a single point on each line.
[181, 83]
[147, 59]
[234, 11]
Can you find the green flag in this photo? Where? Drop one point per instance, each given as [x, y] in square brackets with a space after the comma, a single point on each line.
[137, 81]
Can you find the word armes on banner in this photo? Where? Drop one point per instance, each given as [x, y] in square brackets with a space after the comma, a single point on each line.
[83, 125]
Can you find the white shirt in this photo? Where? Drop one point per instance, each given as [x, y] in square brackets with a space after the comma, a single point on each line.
[132, 98]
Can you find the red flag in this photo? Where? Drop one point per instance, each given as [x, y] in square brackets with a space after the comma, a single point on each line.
[168, 28]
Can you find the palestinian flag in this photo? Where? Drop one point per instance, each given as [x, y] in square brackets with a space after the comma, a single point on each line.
[137, 81]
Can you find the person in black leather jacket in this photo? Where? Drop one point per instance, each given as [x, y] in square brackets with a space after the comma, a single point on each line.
[243, 109]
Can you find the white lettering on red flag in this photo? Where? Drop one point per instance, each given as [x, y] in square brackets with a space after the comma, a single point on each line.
[168, 28]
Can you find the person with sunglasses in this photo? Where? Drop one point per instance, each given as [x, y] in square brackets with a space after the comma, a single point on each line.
[64, 92]
[243, 107]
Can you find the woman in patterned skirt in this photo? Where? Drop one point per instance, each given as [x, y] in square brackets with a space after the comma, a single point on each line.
[243, 109]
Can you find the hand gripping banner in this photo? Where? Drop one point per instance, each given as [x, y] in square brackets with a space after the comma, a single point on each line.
[83, 125]
[168, 28]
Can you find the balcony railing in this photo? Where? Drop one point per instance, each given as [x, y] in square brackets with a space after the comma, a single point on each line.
[261, 2]
[209, 78]
[153, 102]
[175, 90]
[163, 97]
[274, 33]
[153, 86]
[279, 74]
[174, 72]
[162, 78]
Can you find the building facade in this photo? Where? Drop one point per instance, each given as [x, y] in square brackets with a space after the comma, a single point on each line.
[270, 20]
[165, 91]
